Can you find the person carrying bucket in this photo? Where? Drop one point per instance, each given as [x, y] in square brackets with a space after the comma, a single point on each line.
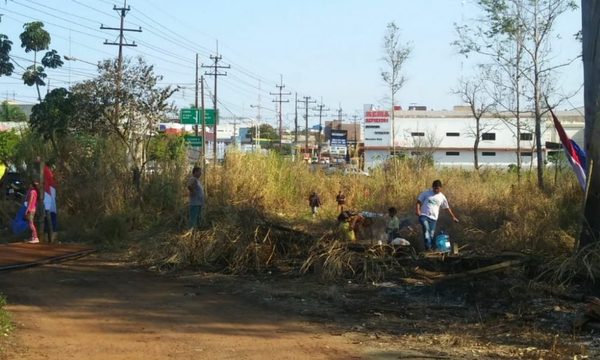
[427, 209]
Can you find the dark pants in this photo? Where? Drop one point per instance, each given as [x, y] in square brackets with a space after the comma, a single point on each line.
[195, 212]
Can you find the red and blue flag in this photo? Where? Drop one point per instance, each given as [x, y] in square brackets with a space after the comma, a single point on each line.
[574, 153]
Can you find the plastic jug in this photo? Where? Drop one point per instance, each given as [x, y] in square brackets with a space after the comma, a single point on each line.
[442, 242]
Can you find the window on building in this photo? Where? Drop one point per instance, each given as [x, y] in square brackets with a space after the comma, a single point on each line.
[488, 153]
[416, 153]
[417, 134]
[526, 153]
[526, 136]
[488, 136]
[452, 153]
[452, 134]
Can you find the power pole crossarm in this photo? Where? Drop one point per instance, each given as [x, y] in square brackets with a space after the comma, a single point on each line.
[121, 29]
[306, 102]
[280, 101]
[320, 108]
[215, 66]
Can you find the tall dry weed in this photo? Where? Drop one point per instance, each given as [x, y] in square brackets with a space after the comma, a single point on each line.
[253, 198]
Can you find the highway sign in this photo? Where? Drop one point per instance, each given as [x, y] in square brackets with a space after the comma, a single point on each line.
[188, 116]
[194, 141]
[209, 117]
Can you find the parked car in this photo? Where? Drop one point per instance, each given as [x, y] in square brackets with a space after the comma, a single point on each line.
[355, 171]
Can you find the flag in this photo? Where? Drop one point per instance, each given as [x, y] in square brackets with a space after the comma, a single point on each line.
[574, 153]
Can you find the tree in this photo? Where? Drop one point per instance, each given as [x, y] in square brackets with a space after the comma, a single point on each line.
[265, 131]
[35, 38]
[527, 25]
[591, 64]
[8, 145]
[53, 117]
[473, 93]
[142, 102]
[6, 66]
[395, 55]
[10, 112]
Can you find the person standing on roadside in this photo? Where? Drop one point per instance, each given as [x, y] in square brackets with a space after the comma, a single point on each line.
[428, 207]
[50, 217]
[314, 202]
[340, 198]
[196, 192]
[32, 201]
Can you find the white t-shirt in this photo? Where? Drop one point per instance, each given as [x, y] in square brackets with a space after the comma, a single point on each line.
[431, 203]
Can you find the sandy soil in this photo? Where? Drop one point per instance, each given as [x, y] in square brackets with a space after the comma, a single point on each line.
[98, 307]
[93, 308]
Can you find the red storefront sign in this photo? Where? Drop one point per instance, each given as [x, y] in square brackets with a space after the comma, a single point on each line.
[377, 116]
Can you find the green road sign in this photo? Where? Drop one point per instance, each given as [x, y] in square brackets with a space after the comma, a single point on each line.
[188, 116]
[194, 141]
[209, 117]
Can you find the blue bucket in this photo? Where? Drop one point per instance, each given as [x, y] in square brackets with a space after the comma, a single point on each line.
[442, 242]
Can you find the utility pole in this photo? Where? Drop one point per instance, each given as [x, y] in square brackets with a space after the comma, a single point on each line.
[320, 108]
[256, 139]
[203, 117]
[235, 119]
[280, 101]
[216, 58]
[306, 102]
[296, 119]
[196, 97]
[355, 117]
[122, 42]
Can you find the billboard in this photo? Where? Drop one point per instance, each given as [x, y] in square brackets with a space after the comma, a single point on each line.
[338, 138]
[377, 128]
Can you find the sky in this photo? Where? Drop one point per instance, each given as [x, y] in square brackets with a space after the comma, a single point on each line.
[330, 50]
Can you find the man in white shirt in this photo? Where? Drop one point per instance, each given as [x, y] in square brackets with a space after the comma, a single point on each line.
[428, 207]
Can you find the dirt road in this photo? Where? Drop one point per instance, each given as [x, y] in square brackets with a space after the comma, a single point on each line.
[95, 308]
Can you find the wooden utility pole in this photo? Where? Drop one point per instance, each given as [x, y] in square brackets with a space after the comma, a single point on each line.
[320, 108]
[121, 29]
[306, 102]
[355, 117]
[196, 98]
[296, 119]
[203, 119]
[590, 10]
[215, 66]
[280, 101]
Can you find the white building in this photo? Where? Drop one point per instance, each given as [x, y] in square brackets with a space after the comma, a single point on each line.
[449, 136]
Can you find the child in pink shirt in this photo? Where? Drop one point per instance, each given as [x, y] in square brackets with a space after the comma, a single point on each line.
[32, 199]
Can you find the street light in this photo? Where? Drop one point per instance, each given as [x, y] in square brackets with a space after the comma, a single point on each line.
[257, 125]
[72, 58]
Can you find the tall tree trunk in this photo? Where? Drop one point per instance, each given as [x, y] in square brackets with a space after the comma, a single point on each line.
[590, 10]
[537, 99]
[476, 143]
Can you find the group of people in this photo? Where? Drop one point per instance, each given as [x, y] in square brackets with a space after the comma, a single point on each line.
[31, 203]
[427, 209]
